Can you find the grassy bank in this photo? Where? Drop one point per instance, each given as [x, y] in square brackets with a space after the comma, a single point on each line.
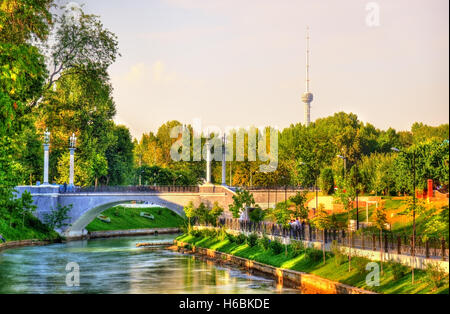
[123, 218]
[32, 229]
[310, 261]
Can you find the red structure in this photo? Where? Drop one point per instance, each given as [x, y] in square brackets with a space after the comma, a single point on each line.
[430, 188]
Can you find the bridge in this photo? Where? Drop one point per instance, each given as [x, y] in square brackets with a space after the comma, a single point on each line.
[87, 203]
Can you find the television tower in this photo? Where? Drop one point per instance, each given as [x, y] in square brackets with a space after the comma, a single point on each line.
[307, 97]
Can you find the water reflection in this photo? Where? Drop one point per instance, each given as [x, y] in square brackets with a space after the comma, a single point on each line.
[117, 266]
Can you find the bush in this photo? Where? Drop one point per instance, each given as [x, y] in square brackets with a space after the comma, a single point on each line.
[398, 270]
[339, 257]
[276, 247]
[313, 255]
[252, 240]
[264, 242]
[231, 238]
[297, 248]
[435, 275]
[241, 239]
[360, 264]
[196, 233]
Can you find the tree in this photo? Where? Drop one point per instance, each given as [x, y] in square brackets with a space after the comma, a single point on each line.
[380, 221]
[82, 44]
[241, 200]
[189, 210]
[345, 196]
[437, 224]
[57, 218]
[282, 215]
[301, 210]
[257, 214]
[22, 73]
[326, 181]
[215, 212]
[322, 221]
[119, 155]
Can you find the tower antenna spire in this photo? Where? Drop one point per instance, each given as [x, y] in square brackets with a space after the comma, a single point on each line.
[307, 96]
[307, 59]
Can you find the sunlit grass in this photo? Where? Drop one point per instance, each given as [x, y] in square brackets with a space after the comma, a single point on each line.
[329, 270]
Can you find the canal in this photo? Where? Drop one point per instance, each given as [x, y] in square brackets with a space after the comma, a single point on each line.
[115, 265]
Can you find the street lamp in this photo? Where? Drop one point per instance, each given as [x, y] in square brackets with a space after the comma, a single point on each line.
[46, 153]
[414, 210]
[345, 164]
[72, 144]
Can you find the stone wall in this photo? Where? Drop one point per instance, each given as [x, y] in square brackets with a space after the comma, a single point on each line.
[307, 283]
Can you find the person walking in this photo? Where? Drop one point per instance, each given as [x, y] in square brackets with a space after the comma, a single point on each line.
[2, 239]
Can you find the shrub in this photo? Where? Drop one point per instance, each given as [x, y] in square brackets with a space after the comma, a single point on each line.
[339, 257]
[435, 275]
[252, 240]
[231, 238]
[212, 233]
[276, 247]
[360, 264]
[313, 255]
[297, 248]
[241, 239]
[264, 242]
[196, 233]
[398, 270]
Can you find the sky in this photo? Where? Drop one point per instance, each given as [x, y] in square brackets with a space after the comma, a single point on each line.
[242, 62]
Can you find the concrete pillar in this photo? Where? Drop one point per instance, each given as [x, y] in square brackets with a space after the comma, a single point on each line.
[224, 161]
[72, 165]
[208, 162]
[46, 149]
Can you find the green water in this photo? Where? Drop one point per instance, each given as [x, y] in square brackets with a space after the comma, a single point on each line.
[117, 266]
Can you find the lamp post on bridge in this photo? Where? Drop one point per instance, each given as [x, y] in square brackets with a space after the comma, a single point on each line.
[46, 153]
[208, 162]
[72, 144]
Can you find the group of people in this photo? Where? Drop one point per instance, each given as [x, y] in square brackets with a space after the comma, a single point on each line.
[295, 223]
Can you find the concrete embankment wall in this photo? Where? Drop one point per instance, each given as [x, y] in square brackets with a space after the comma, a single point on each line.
[14, 244]
[307, 283]
[135, 232]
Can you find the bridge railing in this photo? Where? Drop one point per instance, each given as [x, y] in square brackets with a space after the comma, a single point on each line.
[131, 189]
[275, 188]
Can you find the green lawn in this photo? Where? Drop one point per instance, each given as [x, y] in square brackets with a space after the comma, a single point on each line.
[32, 229]
[129, 218]
[329, 270]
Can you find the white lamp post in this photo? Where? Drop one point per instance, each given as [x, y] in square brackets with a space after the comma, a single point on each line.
[73, 142]
[208, 162]
[46, 153]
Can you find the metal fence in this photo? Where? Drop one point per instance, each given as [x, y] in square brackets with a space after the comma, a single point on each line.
[131, 189]
[388, 241]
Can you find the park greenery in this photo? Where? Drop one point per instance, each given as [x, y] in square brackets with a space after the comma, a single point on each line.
[128, 218]
[54, 66]
[394, 280]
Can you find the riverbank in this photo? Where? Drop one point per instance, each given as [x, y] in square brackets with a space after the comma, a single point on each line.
[22, 243]
[394, 280]
[30, 228]
[306, 283]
